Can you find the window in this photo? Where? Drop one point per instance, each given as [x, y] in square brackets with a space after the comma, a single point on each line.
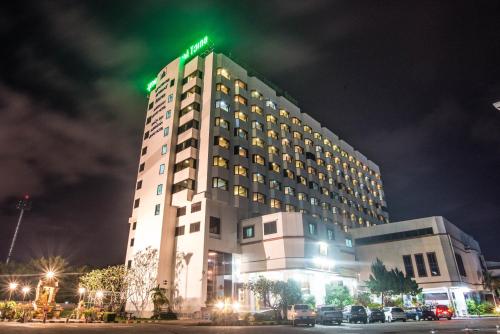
[272, 134]
[257, 125]
[273, 150]
[259, 178]
[308, 142]
[274, 184]
[195, 207]
[134, 226]
[302, 196]
[433, 264]
[255, 94]
[188, 163]
[248, 232]
[271, 104]
[240, 170]
[240, 191]
[299, 164]
[222, 123]
[323, 249]
[222, 88]
[139, 185]
[312, 228]
[330, 234]
[194, 227]
[241, 151]
[348, 242]
[408, 263]
[223, 72]
[298, 149]
[275, 203]
[146, 135]
[296, 121]
[270, 228]
[258, 197]
[394, 236]
[164, 149]
[221, 142]
[289, 208]
[271, 119]
[162, 169]
[284, 127]
[274, 167]
[192, 124]
[307, 128]
[256, 109]
[191, 142]
[240, 115]
[220, 162]
[159, 189]
[287, 157]
[166, 131]
[257, 142]
[132, 242]
[191, 107]
[214, 226]
[183, 185]
[297, 135]
[460, 264]
[284, 113]
[137, 202]
[222, 105]
[170, 98]
[258, 159]
[179, 230]
[144, 150]
[157, 209]
[285, 142]
[238, 132]
[289, 191]
[289, 174]
[240, 84]
[419, 260]
[168, 114]
[219, 183]
[240, 99]
[181, 211]
[129, 264]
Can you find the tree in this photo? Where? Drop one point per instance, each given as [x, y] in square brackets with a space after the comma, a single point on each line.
[491, 283]
[261, 288]
[142, 278]
[311, 301]
[289, 293]
[337, 295]
[111, 281]
[363, 298]
[159, 298]
[380, 280]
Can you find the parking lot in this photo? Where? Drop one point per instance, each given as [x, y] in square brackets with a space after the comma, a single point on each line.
[484, 325]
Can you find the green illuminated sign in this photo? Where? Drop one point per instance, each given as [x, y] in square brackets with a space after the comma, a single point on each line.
[195, 48]
[151, 85]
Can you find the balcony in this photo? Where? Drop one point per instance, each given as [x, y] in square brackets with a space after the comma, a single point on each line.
[190, 98]
[191, 83]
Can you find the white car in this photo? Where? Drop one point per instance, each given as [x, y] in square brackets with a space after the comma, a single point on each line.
[301, 314]
[394, 314]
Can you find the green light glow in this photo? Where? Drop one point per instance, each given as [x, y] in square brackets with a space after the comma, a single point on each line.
[151, 85]
[195, 48]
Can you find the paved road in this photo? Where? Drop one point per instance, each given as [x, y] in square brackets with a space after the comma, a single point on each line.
[439, 327]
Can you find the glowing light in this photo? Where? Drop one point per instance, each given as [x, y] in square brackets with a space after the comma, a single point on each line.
[99, 294]
[151, 85]
[497, 105]
[194, 49]
[50, 274]
[323, 262]
[13, 286]
[25, 290]
[81, 290]
[236, 306]
[220, 305]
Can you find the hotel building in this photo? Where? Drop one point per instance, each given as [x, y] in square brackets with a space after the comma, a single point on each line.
[235, 181]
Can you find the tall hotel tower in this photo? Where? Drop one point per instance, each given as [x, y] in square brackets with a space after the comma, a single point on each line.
[235, 181]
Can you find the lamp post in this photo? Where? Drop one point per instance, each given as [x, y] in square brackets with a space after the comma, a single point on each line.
[23, 205]
[25, 291]
[12, 288]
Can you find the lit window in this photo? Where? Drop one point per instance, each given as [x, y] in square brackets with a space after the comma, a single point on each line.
[240, 170]
[239, 132]
[307, 128]
[221, 142]
[288, 173]
[223, 72]
[257, 109]
[298, 149]
[258, 159]
[299, 164]
[323, 249]
[317, 136]
[166, 131]
[241, 151]
[275, 203]
[348, 242]
[240, 191]
[271, 119]
[289, 191]
[301, 180]
[285, 142]
[274, 167]
[240, 115]
[222, 88]
[287, 157]
[311, 170]
[314, 201]
[220, 162]
[240, 99]
[240, 84]
[257, 125]
[258, 197]
[296, 121]
[271, 104]
[290, 208]
[248, 232]
[274, 184]
[162, 169]
[273, 150]
[257, 142]
[255, 94]
[272, 134]
[159, 189]
[164, 149]
[308, 142]
[297, 135]
[170, 98]
[219, 183]
[285, 127]
[330, 234]
[221, 122]
[312, 228]
[222, 105]
[284, 113]
[259, 178]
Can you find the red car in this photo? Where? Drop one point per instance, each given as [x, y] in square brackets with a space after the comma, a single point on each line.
[443, 311]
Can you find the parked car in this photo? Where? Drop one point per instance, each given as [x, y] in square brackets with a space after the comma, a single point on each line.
[394, 314]
[328, 314]
[354, 313]
[301, 314]
[414, 313]
[375, 315]
[443, 311]
[428, 314]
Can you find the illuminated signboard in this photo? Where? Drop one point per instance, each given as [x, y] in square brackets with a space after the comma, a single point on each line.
[151, 85]
[196, 48]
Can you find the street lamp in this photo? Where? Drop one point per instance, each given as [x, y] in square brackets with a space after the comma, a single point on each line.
[25, 291]
[12, 288]
[50, 274]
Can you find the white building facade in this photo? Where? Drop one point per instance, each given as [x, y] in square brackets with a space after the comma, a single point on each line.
[222, 151]
[445, 261]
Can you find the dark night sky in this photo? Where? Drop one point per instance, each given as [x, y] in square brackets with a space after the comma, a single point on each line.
[408, 83]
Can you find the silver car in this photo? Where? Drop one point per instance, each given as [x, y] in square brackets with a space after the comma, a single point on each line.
[328, 314]
[394, 314]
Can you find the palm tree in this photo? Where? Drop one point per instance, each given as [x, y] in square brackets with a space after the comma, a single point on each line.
[490, 283]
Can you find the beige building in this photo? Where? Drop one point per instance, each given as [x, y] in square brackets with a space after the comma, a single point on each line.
[445, 261]
[222, 149]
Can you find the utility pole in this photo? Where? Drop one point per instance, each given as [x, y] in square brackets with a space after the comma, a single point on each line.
[23, 205]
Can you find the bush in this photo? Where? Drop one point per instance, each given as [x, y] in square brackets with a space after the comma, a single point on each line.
[479, 308]
[264, 316]
[108, 316]
[374, 306]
